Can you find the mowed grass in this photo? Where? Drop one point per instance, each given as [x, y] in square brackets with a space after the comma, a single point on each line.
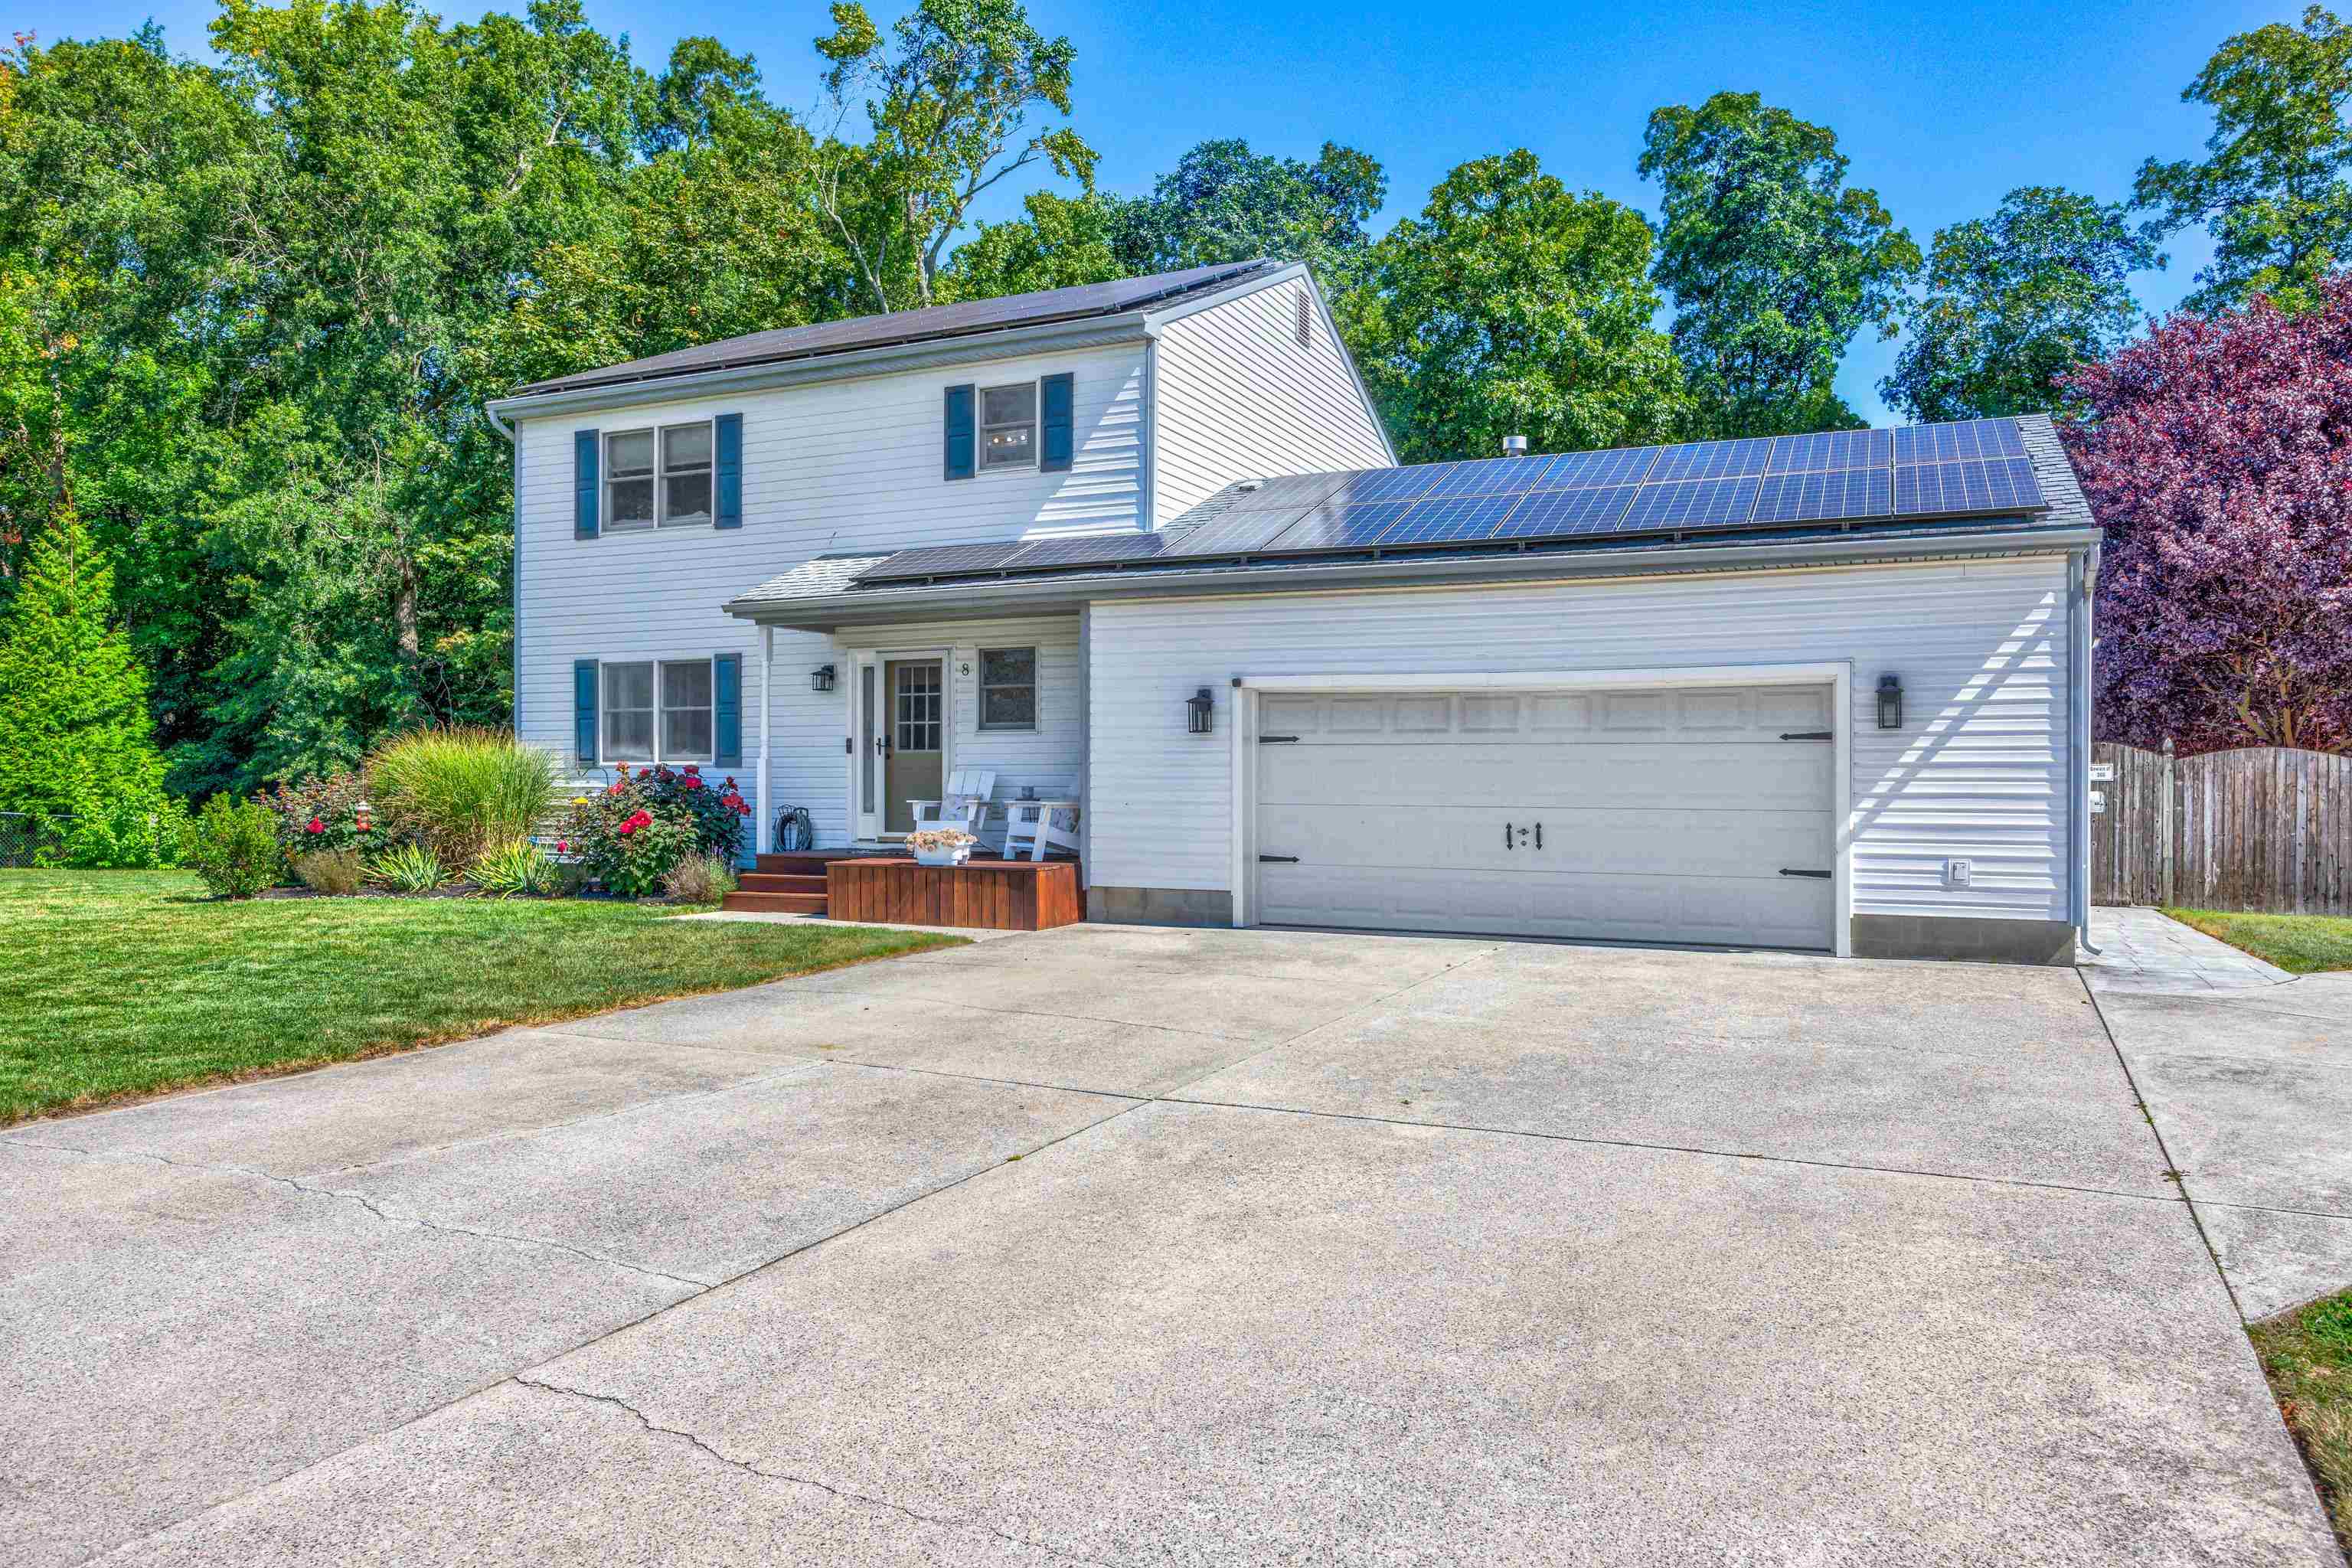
[2307, 1355]
[2300, 944]
[122, 984]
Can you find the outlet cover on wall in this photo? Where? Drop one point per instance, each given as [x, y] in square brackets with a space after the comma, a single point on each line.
[1957, 873]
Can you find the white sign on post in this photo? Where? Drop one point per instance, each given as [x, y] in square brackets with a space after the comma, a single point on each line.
[2102, 772]
[2098, 802]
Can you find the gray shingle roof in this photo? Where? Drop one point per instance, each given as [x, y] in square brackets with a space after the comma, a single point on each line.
[2068, 506]
[972, 317]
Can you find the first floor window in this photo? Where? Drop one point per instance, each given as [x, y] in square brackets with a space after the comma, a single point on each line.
[1008, 688]
[1008, 426]
[666, 701]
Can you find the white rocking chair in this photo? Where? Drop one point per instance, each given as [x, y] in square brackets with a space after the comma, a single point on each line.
[963, 806]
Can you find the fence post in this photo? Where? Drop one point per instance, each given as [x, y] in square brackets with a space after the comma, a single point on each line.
[2164, 855]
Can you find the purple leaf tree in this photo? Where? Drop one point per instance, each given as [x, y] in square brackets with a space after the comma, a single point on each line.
[2217, 453]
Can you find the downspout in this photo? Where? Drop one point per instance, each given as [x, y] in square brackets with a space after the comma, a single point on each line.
[2082, 576]
[514, 573]
[764, 833]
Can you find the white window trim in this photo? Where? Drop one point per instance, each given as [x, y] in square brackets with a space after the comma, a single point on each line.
[604, 712]
[659, 476]
[981, 686]
[979, 427]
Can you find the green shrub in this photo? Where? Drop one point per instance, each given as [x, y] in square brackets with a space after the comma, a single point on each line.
[624, 844]
[119, 835]
[324, 814]
[462, 789]
[336, 871]
[409, 868]
[700, 880]
[718, 813]
[233, 845]
[522, 867]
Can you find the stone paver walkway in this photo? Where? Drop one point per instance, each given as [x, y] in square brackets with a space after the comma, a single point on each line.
[2146, 951]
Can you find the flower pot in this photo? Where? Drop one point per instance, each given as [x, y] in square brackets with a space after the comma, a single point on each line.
[942, 857]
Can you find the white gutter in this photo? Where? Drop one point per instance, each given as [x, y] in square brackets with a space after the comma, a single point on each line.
[514, 572]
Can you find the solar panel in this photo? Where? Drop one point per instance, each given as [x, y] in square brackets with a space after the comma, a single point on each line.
[1395, 484]
[1611, 466]
[1926, 489]
[1333, 526]
[1490, 477]
[1832, 449]
[1692, 503]
[1712, 461]
[1969, 439]
[1234, 533]
[940, 560]
[1451, 520]
[1292, 491]
[1560, 513]
[1824, 494]
[1089, 550]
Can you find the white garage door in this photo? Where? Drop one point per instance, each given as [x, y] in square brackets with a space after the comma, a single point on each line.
[1640, 816]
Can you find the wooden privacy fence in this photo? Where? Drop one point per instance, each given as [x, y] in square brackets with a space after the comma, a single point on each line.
[2260, 828]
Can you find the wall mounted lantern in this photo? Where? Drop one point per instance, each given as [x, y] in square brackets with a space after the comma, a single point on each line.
[1200, 712]
[821, 678]
[1890, 702]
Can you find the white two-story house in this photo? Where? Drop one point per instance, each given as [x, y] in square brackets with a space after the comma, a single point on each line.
[1145, 546]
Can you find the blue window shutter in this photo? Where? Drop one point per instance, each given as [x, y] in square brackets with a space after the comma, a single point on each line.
[1054, 424]
[583, 484]
[726, 710]
[963, 432]
[583, 709]
[726, 434]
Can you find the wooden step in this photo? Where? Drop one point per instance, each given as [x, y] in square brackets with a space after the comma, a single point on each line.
[776, 904]
[800, 863]
[778, 882]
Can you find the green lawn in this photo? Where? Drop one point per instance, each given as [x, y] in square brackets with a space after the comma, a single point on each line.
[2307, 1355]
[122, 984]
[2300, 944]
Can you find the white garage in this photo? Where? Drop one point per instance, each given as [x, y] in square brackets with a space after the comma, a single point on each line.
[1684, 814]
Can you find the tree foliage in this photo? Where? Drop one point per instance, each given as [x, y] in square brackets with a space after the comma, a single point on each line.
[2218, 456]
[2273, 189]
[1223, 202]
[1513, 305]
[1773, 261]
[2016, 300]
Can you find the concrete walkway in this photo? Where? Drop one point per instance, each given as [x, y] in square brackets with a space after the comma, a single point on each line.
[1135, 1247]
[2247, 1072]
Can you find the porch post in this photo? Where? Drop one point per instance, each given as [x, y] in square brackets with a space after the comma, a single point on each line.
[763, 837]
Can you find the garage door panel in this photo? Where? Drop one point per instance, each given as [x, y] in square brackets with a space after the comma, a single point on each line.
[1779, 776]
[1667, 814]
[1732, 911]
[1626, 840]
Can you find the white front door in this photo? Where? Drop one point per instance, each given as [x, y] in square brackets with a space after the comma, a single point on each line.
[1695, 816]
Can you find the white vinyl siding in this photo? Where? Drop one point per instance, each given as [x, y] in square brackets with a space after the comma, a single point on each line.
[1240, 398]
[844, 466]
[1978, 772]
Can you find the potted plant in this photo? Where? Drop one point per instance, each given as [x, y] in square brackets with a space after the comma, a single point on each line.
[941, 845]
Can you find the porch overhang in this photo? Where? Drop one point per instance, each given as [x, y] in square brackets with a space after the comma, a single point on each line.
[980, 598]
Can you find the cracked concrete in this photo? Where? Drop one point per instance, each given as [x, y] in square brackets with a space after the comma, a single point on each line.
[1107, 1245]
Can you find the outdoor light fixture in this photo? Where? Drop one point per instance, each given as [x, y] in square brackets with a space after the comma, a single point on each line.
[1890, 702]
[821, 678]
[1200, 712]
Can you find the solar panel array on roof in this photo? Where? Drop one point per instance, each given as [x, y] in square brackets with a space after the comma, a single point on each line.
[1971, 469]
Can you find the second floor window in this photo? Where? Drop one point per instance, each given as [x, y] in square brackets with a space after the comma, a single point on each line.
[658, 479]
[1008, 426]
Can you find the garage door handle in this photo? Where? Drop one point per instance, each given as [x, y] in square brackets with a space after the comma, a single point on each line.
[1788, 871]
[1277, 860]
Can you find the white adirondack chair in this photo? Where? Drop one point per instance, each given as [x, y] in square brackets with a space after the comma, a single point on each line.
[964, 805]
[1034, 826]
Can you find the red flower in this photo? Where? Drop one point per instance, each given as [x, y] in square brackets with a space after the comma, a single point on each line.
[742, 810]
[691, 782]
[628, 827]
[693, 767]
[561, 847]
[316, 827]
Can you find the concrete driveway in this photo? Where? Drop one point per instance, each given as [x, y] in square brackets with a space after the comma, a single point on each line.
[1125, 1246]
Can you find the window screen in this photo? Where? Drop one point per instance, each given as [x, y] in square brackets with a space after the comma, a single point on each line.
[629, 480]
[1008, 688]
[1008, 426]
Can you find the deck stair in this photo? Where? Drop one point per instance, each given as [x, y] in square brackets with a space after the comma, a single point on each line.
[783, 884]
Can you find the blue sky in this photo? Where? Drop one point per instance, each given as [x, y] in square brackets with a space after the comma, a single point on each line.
[1942, 107]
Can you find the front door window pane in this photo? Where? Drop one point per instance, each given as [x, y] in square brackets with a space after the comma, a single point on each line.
[918, 716]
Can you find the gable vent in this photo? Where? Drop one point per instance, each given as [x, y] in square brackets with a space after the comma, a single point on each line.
[1305, 330]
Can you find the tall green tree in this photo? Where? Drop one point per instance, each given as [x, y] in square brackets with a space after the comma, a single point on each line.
[1057, 242]
[2015, 301]
[1223, 202]
[1513, 305]
[74, 729]
[2273, 188]
[1773, 261]
[954, 100]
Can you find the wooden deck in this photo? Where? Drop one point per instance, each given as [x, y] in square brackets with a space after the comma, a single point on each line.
[994, 895]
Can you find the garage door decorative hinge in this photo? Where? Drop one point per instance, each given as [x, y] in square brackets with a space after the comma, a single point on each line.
[1791, 871]
[1274, 740]
[1277, 860]
[1809, 735]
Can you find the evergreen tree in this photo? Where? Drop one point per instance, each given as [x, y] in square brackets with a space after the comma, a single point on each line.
[74, 729]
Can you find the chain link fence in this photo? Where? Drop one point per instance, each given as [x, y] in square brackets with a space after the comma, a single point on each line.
[22, 838]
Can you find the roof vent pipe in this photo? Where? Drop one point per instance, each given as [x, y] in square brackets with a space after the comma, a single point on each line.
[1515, 446]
